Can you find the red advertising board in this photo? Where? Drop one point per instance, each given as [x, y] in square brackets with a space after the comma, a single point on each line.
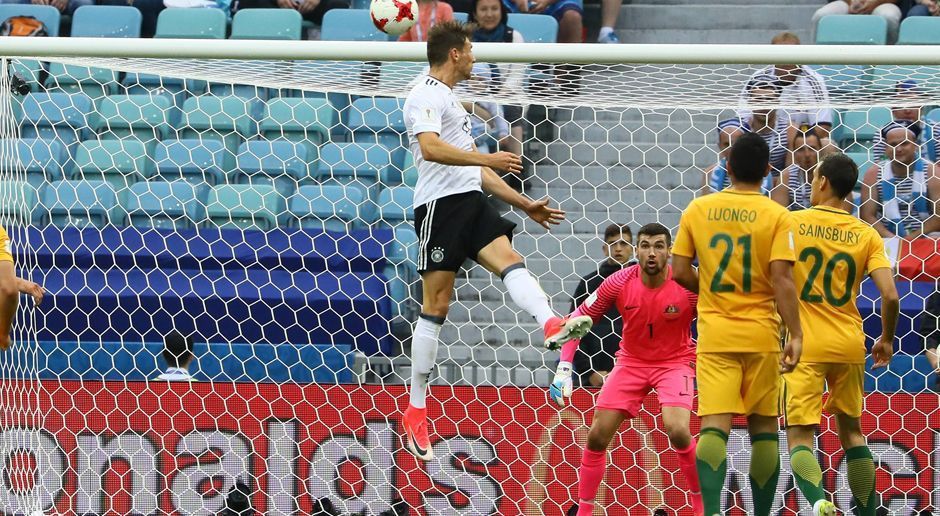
[145, 448]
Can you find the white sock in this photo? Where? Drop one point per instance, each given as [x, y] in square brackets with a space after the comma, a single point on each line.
[423, 355]
[526, 292]
[604, 32]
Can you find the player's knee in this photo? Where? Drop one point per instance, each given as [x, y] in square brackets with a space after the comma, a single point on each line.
[571, 18]
[679, 435]
[598, 440]
[436, 306]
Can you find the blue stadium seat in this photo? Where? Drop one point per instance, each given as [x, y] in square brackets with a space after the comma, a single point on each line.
[79, 203]
[191, 23]
[281, 24]
[933, 115]
[48, 15]
[176, 88]
[856, 130]
[19, 200]
[380, 120]
[119, 162]
[851, 29]
[106, 21]
[886, 77]
[173, 205]
[920, 30]
[331, 207]
[191, 160]
[845, 78]
[399, 74]
[97, 83]
[245, 207]
[56, 116]
[862, 159]
[226, 119]
[144, 117]
[282, 164]
[302, 120]
[350, 25]
[396, 206]
[41, 160]
[353, 163]
[401, 272]
[535, 28]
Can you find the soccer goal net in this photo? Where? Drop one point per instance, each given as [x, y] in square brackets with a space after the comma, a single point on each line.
[257, 197]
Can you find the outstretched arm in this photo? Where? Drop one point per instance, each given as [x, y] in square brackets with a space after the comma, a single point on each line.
[433, 148]
[539, 211]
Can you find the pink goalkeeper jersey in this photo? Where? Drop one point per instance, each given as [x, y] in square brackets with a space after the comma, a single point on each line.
[657, 323]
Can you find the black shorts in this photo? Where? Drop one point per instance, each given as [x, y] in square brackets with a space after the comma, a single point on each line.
[456, 227]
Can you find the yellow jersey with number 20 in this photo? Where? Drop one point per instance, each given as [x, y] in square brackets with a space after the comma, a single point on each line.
[735, 236]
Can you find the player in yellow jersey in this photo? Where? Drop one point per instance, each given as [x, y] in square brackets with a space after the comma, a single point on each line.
[10, 287]
[834, 250]
[744, 244]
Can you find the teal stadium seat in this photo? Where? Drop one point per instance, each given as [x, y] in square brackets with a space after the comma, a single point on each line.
[79, 203]
[856, 130]
[331, 207]
[920, 30]
[226, 119]
[119, 162]
[48, 15]
[143, 117]
[282, 164]
[157, 204]
[182, 23]
[56, 116]
[306, 121]
[282, 24]
[535, 28]
[402, 272]
[933, 115]
[380, 120]
[350, 25]
[19, 200]
[355, 164]
[849, 30]
[886, 77]
[862, 159]
[396, 206]
[195, 161]
[257, 207]
[41, 160]
[407, 174]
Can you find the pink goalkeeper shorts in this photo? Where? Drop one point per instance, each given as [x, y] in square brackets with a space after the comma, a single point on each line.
[627, 385]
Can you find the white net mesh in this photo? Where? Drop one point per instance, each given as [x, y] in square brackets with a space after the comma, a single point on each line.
[265, 208]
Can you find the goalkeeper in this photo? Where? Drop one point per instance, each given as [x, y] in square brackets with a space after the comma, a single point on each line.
[656, 352]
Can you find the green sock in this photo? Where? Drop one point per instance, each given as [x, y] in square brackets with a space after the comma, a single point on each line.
[861, 473]
[807, 473]
[711, 460]
[765, 470]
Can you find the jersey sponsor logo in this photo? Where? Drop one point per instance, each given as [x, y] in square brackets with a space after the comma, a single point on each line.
[437, 255]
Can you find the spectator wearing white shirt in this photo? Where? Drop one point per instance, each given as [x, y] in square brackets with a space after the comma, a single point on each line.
[887, 9]
[799, 85]
[178, 353]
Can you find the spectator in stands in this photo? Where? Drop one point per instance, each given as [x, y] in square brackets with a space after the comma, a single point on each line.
[716, 177]
[610, 10]
[907, 108]
[430, 12]
[178, 353]
[930, 331]
[771, 124]
[887, 9]
[924, 8]
[149, 10]
[311, 10]
[567, 12]
[595, 357]
[64, 6]
[800, 85]
[900, 194]
[795, 181]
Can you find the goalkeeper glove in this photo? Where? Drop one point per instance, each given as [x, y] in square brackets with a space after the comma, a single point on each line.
[561, 386]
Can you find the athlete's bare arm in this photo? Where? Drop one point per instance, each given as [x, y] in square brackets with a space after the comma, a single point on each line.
[433, 148]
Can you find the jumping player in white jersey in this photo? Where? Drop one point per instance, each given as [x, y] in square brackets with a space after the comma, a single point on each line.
[454, 220]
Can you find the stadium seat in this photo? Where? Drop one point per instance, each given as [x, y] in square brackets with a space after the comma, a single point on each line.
[194, 161]
[920, 30]
[144, 117]
[856, 130]
[97, 83]
[844, 78]
[176, 88]
[886, 77]
[350, 25]
[355, 164]
[48, 15]
[267, 24]
[191, 24]
[227, 119]
[282, 164]
[244, 207]
[851, 29]
[301, 120]
[41, 160]
[173, 205]
[396, 205]
[106, 21]
[535, 28]
[862, 159]
[119, 162]
[399, 74]
[933, 116]
[401, 271]
[380, 120]
[56, 116]
[19, 199]
[409, 175]
[79, 203]
[331, 207]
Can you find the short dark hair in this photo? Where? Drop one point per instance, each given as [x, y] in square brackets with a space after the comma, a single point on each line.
[841, 171]
[748, 158]
[811, 133]
[763, 82]
[177, 349]
[616, 230]
[653, 229]
[445, 36]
